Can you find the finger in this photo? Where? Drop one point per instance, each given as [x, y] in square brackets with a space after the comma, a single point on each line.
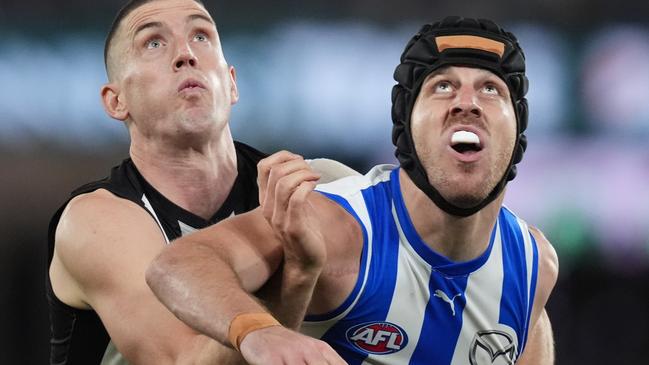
[274, 172]
[296, 210]
[288, 186]
[285, 189]
[264, 166]
[278, 172]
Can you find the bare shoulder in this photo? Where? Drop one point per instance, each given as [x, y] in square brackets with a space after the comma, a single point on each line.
[99, 232]
[104, 244]
[548, 259]
[92, 219]
[340, 225]
[548, 266]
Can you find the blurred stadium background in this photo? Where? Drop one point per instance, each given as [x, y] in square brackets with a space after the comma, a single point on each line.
[315, 77]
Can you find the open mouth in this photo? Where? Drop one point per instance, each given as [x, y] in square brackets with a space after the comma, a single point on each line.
[465, 142]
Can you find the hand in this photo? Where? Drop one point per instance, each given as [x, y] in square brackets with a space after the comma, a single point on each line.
[285, 181]
[291, 162]
[279, 345]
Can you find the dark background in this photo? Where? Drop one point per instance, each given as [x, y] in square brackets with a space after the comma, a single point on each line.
[583, 180]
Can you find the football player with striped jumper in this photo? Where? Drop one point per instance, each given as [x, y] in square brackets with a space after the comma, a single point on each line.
[416, 264]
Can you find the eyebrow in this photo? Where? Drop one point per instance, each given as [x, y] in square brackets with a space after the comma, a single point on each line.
[146, 26]
[444, 70]
[200, 16]
[159, 24]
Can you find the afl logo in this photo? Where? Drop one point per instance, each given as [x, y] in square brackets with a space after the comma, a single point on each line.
[380, 338]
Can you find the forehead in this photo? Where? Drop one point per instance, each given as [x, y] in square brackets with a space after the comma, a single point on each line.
[162, 11]
[464, 72]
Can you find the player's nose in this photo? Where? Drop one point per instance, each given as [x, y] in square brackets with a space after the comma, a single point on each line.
[465, 103]
[184, 57]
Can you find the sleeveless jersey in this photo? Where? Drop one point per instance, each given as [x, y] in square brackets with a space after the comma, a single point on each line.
[78, 337]
[411, 305]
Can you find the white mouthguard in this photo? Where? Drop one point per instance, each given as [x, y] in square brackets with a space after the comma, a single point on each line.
[465, 137]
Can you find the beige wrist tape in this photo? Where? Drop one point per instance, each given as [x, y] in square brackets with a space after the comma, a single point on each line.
[244, 323]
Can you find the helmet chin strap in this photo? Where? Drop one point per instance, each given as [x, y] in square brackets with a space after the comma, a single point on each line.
[418, 175]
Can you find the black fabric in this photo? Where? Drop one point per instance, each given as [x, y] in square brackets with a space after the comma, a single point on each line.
[420, 58]
[77, 337]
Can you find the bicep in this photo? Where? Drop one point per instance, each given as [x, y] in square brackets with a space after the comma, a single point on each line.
[106, 245]
[548, 272]
[539, 349]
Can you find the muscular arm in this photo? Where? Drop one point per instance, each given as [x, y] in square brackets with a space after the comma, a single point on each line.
[285, 180]
[206, 278]
[103, 246]
[539, 349]
[540, 344]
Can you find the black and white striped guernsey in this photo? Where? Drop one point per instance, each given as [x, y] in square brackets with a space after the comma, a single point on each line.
[78, 337]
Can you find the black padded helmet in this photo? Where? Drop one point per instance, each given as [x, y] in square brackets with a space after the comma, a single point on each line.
[456, 41]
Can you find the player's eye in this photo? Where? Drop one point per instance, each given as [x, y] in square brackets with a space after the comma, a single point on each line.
[200, 37]
[491, 89]
[153, 44]
[443, 87]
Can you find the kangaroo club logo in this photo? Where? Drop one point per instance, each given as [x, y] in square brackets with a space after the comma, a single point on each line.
[379, 338]
[492, 347]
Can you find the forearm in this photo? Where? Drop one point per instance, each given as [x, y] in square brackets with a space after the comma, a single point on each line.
[206, 351]
[289, 294]
[200, 288]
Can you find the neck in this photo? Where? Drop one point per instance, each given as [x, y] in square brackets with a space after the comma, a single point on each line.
[457, 238]
[198, 178]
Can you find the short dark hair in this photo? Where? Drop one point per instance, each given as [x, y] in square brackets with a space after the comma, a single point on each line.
[121, 14]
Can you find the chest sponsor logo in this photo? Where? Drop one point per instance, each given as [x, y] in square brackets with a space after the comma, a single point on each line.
[379, 338]
[492, 347]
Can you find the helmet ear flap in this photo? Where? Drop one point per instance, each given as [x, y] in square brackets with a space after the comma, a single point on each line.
[522, 110]
[398, 110]
[521, 146]
[403, 74]
[519, 149]
[399, 133]
[399, 138]
[402, 153]
[512, 173]
[518, 85]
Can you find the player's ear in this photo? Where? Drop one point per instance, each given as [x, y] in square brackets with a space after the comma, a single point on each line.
[113, 102]
[234, 92]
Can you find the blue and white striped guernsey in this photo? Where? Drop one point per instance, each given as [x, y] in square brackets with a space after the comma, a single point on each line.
[411, 305]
